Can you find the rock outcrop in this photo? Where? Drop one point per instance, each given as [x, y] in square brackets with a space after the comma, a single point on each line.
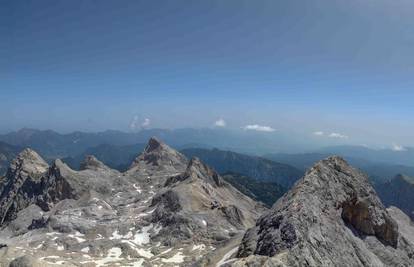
[331, 217]
[30, 180]
[199, 203]
[22, 185]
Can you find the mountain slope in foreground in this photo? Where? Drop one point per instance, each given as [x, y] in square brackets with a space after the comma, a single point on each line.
[331, 217]
[164, 210]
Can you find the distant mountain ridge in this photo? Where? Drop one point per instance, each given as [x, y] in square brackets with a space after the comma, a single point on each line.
[116, 157]
[51, 144]
[378, 172]
[404, 156]
[256, 167]
[398, 192]
[266, 192]
[7, 154]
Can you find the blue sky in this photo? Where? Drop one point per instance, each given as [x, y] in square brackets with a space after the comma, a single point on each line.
[343, 67]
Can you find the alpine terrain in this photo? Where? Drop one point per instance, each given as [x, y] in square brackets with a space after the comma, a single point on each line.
[165, 210]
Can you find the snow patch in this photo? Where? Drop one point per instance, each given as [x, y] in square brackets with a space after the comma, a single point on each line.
[78, 236]
[39, 246]
[143, 237]
[199, 247]
[137, 188]
[166, 251]
[177, 258]
[226, 257]
[116, 235]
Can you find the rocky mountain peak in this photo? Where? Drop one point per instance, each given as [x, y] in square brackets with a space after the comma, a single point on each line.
[92, 163]
[28, 162]
[158, 154]
[331, 217]
[198, 170]
[153, 144]
[23, 180]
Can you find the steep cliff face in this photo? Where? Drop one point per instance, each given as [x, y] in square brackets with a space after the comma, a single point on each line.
[331, 217]
[22, 185]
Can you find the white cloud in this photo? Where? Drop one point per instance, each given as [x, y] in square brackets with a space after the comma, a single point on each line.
[220, 123]
[133, 125]
[338, 135]
[398, 148]
[331, 135]
[259, 128]
[137, 124]
[146, 123]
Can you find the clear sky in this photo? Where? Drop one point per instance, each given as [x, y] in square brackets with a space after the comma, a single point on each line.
[344, 67]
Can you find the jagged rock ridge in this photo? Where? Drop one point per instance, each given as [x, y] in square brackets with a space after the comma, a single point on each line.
[165, 211]
[331, 217]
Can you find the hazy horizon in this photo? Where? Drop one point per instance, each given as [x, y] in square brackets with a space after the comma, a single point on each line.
[331, 71]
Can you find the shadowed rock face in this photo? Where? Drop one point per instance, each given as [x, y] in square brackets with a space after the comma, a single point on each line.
[331, 217]
[30, 180]
[357, 213]
[22, 185]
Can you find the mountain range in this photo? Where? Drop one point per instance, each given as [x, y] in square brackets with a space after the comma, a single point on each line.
[281, 170]
[167, 209]
[164, 210]
[51, 144]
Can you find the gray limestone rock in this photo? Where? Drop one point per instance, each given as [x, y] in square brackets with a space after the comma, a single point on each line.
[331, 217]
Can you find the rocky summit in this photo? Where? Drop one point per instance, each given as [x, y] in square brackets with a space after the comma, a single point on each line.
[331, 217]
[164, 211]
